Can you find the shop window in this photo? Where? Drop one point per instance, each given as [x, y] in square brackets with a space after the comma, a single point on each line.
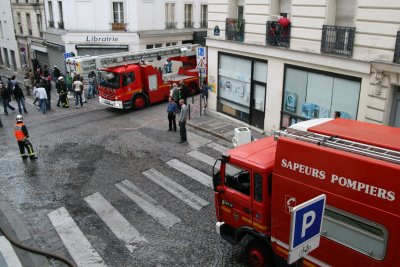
[309, 95]
[354, 232]
[158, 45]
[239, 180]
[149, 46]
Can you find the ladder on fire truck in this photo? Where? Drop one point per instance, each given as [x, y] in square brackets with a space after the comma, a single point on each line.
[342, 144]
[154, 53]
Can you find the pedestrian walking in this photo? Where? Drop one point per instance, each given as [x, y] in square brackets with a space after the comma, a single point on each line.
[27, 84]
[40, 92]
[92, 84]
[78, 89]
[204, 93]
[56, 73]
[5, 92]
[20, 98]
[171, 110]
[47, 86]
[22, 136]
[182, 121]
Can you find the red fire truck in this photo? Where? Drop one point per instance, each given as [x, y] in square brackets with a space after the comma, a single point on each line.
[355, 164]
[137, 79]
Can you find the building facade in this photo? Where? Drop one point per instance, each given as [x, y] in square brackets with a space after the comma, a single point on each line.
[277, 62]
[94, 27]
[9, 52]
[29, 17]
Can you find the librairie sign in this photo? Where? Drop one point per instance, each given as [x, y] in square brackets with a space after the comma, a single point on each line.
[93, 38]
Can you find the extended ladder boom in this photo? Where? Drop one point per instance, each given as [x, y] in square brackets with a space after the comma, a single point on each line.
[342, 144]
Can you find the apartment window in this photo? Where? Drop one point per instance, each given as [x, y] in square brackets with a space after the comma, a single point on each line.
[204, 17]
[149, 46]
[188, 15]
[170, 12]
[354, 232]
[158, 45]
[240, 12]
[29, 23]
[60, 10]
[21, 31]
[1, 31]
[26, 1]
[118, 12]
[284, 8]
[345, 13]
[39, 24]
[51, 15]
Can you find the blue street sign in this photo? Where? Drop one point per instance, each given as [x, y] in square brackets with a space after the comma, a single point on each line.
[67, 55]
[307, 221]
[200, 51]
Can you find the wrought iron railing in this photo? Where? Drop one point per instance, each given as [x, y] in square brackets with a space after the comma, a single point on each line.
[396, 58]
[188, 24]
[234, 29]
[337, 40]
[51, 23]
[118, 26]
[61, 25]
[170, 25]
[277, 35]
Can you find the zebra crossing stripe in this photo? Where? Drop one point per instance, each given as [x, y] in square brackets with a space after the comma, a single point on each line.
[193, 173]
[149, 205]
[204, 158]
[115, 221]
[74, 240]
[7, 254]
[218, 147]
[196, 141]
[176, 189]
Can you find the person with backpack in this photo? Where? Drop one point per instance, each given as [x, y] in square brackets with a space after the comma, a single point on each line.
[6, 93]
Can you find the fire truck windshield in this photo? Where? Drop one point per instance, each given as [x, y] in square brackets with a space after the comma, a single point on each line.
[109, 79]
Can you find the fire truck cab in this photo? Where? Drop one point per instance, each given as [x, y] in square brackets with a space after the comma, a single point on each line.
[355, 164]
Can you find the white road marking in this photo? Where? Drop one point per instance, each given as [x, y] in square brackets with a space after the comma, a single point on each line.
[8, 254]
[218, 147]
[196, 141]
[176, 189]
[149, 205]
[115, 221]
[204, 158]
[193, 173]
[74, 240]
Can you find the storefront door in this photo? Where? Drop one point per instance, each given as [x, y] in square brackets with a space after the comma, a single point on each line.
[257, 105]
[395, 114]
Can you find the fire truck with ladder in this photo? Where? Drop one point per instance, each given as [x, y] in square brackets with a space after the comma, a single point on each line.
[356, 165]
[137, 79]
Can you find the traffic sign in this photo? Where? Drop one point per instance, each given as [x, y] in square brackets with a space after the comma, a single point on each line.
[305, 228]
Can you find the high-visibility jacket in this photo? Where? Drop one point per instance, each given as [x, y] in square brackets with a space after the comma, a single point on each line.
[19, 134]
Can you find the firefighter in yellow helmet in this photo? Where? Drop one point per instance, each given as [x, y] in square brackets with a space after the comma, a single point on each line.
[21, 134]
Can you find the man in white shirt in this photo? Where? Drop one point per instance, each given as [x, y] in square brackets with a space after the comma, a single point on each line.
[78, 89]
[40, 93]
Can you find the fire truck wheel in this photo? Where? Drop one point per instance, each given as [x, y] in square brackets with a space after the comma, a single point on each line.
[139, 102]
[193, 88]
[259, 254]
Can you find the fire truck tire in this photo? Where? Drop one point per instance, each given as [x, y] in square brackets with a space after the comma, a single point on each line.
[193, 88]
[259, 253]
[139, 102]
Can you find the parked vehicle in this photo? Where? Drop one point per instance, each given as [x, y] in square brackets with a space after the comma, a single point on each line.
[355, 164]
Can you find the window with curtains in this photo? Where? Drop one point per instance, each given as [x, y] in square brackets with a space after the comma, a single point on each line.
[188, 15]
[309, 94]
[118, 12]
[204, 18]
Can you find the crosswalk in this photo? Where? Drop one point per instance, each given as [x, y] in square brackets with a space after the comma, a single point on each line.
[84, 252]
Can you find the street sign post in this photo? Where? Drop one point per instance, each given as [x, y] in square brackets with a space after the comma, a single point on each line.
[201, 57]
[305, 228]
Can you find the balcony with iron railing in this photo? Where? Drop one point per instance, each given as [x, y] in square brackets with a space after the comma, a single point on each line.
[170, 25]
[118, 26]
[51, 23]
[234, 29]
[277, 34]
[188, 24]
[61, 25]
[337, 40]
[396, 58]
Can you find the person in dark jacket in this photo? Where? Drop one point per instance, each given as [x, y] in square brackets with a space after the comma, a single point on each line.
[6, 96]
[62, 91]
[171, 110]
[20, 98]
[183, 91]
[56, 73]
[47, 86]
[22, 136]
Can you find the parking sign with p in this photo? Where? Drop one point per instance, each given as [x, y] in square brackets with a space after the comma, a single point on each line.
[305, 229]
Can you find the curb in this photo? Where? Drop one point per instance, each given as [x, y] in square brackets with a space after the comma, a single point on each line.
[209, 132]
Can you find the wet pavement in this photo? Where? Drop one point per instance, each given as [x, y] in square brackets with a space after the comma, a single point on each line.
[97, 153]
